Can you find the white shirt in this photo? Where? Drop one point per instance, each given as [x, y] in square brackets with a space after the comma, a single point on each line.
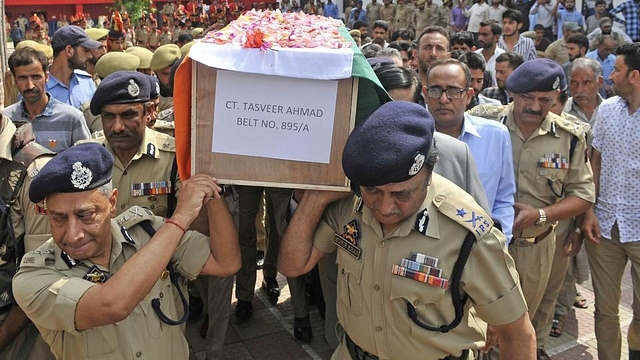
[544, 13]
[615, 136]
[491, 64]
[477, 14]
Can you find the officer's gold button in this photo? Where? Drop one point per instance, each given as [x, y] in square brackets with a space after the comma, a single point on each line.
[416, 302]
[376, 287]
[161, 295]
[382, 244]
[124, 172]
[437, 198]
[122, 206]
[164, 275]
[378, 328]
[138, 354]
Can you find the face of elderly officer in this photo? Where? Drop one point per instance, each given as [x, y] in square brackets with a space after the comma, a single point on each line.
[393, 203]
[448, 93]
[534, 86]
[81, 222]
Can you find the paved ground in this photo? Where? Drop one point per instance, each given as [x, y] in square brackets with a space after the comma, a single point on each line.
[269, 334]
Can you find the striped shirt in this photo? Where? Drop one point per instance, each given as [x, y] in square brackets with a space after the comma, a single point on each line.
[524, 46]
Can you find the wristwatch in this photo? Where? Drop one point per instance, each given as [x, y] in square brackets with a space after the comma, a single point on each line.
[542, 220]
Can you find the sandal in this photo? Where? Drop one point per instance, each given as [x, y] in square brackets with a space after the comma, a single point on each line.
[581, 302]
[557, 326]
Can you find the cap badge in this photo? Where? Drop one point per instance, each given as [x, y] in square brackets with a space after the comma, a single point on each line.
[157, 88]
[418, 161]
[81, 176]
[133, 88]
[556, 83]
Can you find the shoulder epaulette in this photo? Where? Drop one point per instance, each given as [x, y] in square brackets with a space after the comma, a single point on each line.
[570, 124]
[469, 215]
[165, 142]
[164, 114]
[133, 216]
[492, 112]
[38, 257]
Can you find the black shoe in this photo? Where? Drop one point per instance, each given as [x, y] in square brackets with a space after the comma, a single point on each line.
[542, 355]
[271, 287]
[302, 329]
[260, 261]
[244, 310]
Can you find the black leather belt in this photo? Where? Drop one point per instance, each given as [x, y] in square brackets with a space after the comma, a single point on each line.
[357, 353]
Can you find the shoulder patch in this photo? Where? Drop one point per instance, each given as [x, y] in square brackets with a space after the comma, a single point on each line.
[492, 112]
[469, 215]
[37, 258]
[133, 216]
[571, 124]
[165, 114]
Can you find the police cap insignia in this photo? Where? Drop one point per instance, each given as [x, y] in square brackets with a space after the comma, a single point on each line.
[81, 176]
[418, 161]
[133, 89]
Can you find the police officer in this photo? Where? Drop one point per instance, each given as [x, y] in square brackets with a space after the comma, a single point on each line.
[90, 288]
[397, 245]
[162, 62]
[108, 64]
[152, 40]
[553, 177]
[144, 158]
[144, 55]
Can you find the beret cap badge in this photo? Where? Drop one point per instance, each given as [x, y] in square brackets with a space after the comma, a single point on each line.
[556, 83]
[133, 89]
[418, 162]
[81, 176]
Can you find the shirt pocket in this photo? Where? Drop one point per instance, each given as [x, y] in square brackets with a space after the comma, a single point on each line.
[100, 341]
[550, 182]
[350, 284]
[425, 298]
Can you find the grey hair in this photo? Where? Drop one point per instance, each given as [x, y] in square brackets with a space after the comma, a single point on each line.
[586, 64]
[106, 189]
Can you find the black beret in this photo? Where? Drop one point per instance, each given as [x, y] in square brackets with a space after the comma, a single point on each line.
[154, 86]
[390, 146]
[79, 168]
[121, 87]
[536, 75]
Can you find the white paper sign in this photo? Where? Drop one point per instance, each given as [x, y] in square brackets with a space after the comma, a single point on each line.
[274, 117]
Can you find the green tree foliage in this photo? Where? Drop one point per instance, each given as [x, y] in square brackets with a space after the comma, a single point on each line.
[135, 8]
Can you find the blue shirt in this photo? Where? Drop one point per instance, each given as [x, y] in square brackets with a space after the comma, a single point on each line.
[566, 16]
[607, 64]
[331, 10]
[490, 144]
[57, 128]
[629, 11]
[80, 90]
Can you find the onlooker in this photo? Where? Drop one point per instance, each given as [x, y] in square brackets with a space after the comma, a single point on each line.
[511, 39]
[604, 55]
[544, 10]
[56, 126]
[630, 11]
[488, 38]
[506, 63]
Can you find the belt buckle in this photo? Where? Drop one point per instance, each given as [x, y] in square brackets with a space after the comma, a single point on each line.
[530, 240]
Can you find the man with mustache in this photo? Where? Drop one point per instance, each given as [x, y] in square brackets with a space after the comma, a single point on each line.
[56, 125]
[143, 157]
[553, 177]
[69, 81]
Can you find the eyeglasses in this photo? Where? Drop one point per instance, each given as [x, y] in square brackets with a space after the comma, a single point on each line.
[435, 92]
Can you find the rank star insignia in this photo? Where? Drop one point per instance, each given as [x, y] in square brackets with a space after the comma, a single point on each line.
[461, 212]
[133, 89]
[95, 275]
[81, 176]
[418, 161]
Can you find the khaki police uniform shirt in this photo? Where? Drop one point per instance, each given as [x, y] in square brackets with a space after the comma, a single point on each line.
[373, 13]
[146, 181]
[444, 16]
[153, 39]
[402, 17]
[372, 301]
[388, 14]
[540, 177]
[165, 38]
[48, 289]
[424, 18]
[141, 36]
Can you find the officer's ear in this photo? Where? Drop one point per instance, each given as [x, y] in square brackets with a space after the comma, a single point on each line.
[113, 202]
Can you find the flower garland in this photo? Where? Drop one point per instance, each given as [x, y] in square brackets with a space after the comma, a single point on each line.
[273, 30]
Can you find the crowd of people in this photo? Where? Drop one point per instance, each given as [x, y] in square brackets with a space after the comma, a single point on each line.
[495, 154]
